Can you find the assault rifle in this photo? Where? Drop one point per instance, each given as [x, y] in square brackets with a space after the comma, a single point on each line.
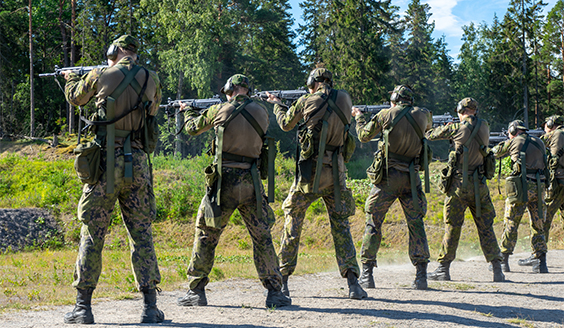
[80, 70]
[372, 109]
[287, 96]
[200, 104]
[499, 137]
[444, 119]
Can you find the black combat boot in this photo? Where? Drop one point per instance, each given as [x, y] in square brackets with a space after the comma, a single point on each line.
[498, 275]
[540, 265]
[420, 281]
[285, 289]
[151, 314]
[82, 312]
[529, 261]
[196, 296]
[441, 273]
[366, 279]
[276, 298]
[355, 291]
[504, 263]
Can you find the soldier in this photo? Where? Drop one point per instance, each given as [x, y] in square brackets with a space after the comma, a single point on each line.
[466, 188]
[404, 127]
[525, 190]
[554, 141]
[321, 173]
[233, 183]
[125, 92]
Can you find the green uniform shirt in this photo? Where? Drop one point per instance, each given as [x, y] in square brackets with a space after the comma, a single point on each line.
[512, 147]
[554, 141]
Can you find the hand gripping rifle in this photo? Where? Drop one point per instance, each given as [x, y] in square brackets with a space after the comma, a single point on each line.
[287, 96]
[444, 119]
[197, 104]
[80, 70]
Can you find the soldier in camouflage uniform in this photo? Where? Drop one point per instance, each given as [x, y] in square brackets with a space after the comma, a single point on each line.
[239, 188]
[554, 141]
[314, 109]
[471, 194]
[520, 142]
[135, 195]
[404, 148]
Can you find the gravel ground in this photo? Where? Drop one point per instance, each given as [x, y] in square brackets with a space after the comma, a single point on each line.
[320, 300]
[25, 227]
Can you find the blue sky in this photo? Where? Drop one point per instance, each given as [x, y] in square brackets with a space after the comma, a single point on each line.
[449, 16]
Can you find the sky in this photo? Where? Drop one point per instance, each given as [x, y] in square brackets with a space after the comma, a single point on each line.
[449, 16]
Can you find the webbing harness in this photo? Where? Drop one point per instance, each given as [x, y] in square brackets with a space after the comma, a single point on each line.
[220, 155]
[474, 129]
[411, 160]
[537, 173]
[107, 128]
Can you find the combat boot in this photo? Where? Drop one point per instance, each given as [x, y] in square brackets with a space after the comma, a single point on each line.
[196, 296]
[540, 265]
[366, 279]
[285, 289]
[420, 281]
[529, 261]
[276, 298]
[355, 291]
[504, 263]
[441, 273]
[151, 314]
[498, 275]
[82, 312]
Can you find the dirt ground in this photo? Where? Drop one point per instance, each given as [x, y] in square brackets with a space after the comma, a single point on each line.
[320, 300]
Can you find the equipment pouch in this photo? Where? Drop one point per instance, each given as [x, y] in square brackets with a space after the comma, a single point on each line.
[307, 144]
[489, 165]
[447, 173]
[212, 211]
[87, 162]
[151, 137]
[348, 147]
[375, 171]
[514, 189]
[211, 175]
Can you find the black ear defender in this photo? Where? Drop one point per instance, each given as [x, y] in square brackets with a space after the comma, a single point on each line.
[228, 87]
[512, 130]
[550, 123]
[112, 52]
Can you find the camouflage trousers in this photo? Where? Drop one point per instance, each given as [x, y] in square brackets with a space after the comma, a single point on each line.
[554, 202]
[295, 207]
[237, 192]
[456, 202]
[138, 209]
[396, 185]
[514, 213]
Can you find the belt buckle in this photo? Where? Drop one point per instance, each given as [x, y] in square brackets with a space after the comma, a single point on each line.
[128, 157]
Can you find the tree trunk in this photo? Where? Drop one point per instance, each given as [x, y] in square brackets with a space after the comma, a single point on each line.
[64, 44]
[179, 116]
[31, 95]
[72, 60]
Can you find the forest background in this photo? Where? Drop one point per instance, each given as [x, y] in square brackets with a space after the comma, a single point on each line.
[513, 65]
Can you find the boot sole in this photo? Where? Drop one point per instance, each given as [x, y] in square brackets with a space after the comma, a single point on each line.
[80, 322]
[192, 303]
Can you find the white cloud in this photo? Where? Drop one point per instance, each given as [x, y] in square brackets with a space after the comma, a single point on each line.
[445, 21]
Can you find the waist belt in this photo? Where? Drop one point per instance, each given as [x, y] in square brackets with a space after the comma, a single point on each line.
[399, 157]
[254, 173]
[412, 175]
[238, 158]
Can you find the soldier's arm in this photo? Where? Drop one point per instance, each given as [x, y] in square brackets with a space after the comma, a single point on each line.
[80, 89]
[429, 121]
[443, 132]
[198, 123]
[157, 96]
[501, 149]
[368, 130]
[287, 118]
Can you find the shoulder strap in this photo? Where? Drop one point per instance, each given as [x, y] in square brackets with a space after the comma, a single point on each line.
[253, 123]
[425, 150]
[474, 129]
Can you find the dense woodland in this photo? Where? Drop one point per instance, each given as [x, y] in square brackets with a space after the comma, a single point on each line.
[513, 65]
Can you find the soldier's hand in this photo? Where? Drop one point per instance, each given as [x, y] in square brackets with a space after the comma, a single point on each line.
[66, 74]
[355, 111]
[272, 98]
[183, 105]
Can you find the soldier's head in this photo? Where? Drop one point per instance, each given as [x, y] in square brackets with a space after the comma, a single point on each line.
[401, 95]
[238, 84]
[125, 45]
[319, 75]
[516, 127]
[553, 122]
[467, 106]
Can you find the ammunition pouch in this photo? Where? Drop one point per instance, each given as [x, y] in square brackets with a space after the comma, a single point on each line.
[212, 210]
[87, 162]
[447, 173]
[150, 135]
[489, 165]
[348, 147]
[514, 189]
[375, 171]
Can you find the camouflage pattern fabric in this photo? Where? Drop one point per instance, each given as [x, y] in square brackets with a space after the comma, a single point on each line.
[295, 207]
[138, 209]
[381, 197]
[456, 203]
[553, 203]
[514, 213]
[237, 192]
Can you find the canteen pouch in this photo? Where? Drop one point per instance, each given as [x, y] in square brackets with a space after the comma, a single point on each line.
[447, 173]
[375, 171]
[212, 211]
[87, 162]
[150, 138]
[489, 165]
[514, 189]
[348, 147]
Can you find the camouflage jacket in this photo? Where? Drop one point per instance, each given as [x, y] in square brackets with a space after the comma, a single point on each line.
[512, 147]
[554, 141]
